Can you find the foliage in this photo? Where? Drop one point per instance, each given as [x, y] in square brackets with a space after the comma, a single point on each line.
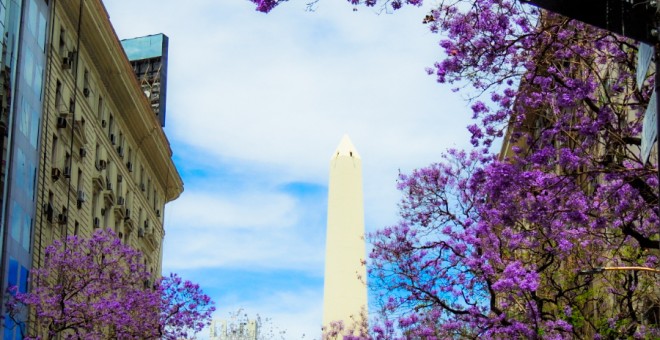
[494, 247]
[96, 287]
[183, 307]
[266, 6]
[355, 329]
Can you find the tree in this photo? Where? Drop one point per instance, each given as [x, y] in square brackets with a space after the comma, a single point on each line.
[183, 307]
[98, 287]
[495, 246]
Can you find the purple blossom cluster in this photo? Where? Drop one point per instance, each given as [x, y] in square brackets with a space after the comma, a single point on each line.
[266, 6]
[98, 288]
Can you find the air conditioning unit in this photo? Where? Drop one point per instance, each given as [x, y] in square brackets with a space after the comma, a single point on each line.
[61, 122]
[120, 178]
[103, 164]
[108, 184]
[143, 187]
[127, 215]
[96, 222]
[120, 200]
[67, 172]
[120, 151]
[83, 152]
[61, 218]
[67, 62]
[113, 140]
[86, 92]
[81, 196]
[55, 174]
[140, 232]
[129, 165]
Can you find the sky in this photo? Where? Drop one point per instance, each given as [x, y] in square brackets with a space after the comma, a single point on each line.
[256, 106]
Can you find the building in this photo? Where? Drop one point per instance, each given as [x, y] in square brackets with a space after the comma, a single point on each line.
[83, 148]
[148, 56]
[234, 330]
[23, 25]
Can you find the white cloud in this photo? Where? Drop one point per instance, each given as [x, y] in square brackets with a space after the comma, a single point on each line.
[296, 312]
[256, 102]
[205, 210]
[206, 250]
[253, 231]
[282, 88]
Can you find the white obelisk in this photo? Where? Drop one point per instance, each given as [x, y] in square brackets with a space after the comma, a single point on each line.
[345, 292]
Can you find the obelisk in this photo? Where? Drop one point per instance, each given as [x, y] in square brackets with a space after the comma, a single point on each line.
[345, 292]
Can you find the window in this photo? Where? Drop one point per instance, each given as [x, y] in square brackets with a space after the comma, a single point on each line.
[67, 165]
[97, 156]
[62, 47]
[111, 126]
[79, 186]
[86, 87]
[120, 143]
[95, 206]
[110, 176]
[54, 153]
[99, 109]
[59, 101]
[50, 208]
[106, 216]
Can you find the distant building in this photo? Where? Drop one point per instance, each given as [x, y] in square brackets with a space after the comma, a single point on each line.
[80, 145]
[230, 330]
[148, 56]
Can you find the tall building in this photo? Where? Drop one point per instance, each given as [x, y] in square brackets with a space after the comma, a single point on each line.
[148, 56]
[83, 147]
[234, 329]
[345, 291]
[23, 59]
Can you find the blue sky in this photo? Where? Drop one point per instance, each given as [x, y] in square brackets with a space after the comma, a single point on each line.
[256, 106]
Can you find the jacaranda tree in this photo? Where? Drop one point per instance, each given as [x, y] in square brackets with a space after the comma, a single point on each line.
[498, 246]
[98, 288]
